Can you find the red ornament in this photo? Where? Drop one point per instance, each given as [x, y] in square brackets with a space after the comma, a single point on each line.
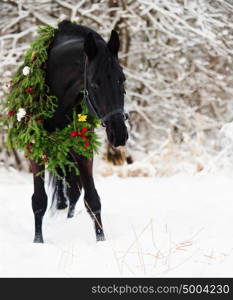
[40, 121]
[29, 90]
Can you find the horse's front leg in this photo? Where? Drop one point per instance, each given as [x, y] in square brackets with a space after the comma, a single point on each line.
[91, 197]
[39, 201]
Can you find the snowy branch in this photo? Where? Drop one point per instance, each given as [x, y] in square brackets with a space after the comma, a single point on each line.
[177, 57]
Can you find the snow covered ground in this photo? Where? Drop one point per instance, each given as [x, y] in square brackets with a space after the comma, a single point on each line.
[181, 226]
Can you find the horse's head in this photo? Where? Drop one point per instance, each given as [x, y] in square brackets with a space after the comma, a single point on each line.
[105, 84]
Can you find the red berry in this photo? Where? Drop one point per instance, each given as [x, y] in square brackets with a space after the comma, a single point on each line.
[11, 113]
[29, 90]
[45, 159]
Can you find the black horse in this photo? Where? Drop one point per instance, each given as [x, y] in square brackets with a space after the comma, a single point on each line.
[81, 64]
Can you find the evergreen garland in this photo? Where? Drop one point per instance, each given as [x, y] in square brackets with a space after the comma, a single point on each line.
[28, 103]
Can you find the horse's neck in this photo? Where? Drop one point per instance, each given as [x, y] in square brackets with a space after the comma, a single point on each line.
[65, 79]
[65, 66]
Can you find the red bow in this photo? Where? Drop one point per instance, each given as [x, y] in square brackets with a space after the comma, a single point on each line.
[81, 134]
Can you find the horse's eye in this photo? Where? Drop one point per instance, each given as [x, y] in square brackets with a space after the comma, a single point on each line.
[94, 86]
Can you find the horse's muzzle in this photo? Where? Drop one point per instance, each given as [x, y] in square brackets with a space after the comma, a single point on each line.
[116, 141]
[117, 131]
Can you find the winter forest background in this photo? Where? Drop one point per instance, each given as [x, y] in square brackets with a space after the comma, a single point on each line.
[167, 196]
[177, 57]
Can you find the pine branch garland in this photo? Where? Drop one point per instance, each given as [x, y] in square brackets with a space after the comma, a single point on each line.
[28, 103]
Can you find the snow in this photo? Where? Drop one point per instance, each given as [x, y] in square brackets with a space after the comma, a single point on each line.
[179, 226]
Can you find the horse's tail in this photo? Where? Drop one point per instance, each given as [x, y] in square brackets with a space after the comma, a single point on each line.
[57, 190]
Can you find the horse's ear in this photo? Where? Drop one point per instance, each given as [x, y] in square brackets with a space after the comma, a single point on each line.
[90, 47]
[114, 42]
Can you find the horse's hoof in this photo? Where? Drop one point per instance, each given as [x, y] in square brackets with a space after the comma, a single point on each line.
[70, 214]
[100, 237]
[38, 239]
[61, 205]
[71, 211]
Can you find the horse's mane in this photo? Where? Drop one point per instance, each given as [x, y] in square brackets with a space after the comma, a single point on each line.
[70, 29]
